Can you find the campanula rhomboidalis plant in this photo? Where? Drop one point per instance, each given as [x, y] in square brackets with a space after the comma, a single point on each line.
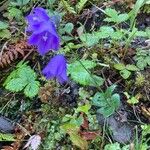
[44, 34]
[45, 37]
[56, 68]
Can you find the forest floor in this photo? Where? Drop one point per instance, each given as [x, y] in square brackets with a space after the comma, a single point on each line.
[103, 102]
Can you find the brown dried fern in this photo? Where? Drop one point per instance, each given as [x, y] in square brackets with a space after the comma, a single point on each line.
[13, 51]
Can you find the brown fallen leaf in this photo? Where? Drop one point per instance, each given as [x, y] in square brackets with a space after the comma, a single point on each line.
[146, 112]
[89, 135]
[85, 124]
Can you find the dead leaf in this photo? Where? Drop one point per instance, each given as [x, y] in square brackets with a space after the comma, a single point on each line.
[33, 142]
[85, 124]
[145, 111]
[89, 135]
[79, 141]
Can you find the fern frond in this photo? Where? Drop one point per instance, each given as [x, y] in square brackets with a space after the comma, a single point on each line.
[13, 51]
[6, 137]
[68, 7]
[81, 5]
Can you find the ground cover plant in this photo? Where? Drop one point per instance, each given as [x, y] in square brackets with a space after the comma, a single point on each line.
[75, 75]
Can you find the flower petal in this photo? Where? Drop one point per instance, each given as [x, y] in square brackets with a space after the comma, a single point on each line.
[56, 67]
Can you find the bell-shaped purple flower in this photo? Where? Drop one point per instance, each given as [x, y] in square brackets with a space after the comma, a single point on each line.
[44, 34]
[36, 18]
[44, 41]
[56, 68]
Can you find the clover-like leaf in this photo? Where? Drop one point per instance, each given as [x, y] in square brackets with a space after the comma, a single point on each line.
[79, 71]
[125, 73]
[3, 25]
[131, 67]
[106, 102]
[119, 66]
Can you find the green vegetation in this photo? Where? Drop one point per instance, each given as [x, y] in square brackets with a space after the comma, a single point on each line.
[23, 78]
[96, 96]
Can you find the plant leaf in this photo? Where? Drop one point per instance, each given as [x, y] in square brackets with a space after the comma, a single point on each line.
[125, 73]
[16, 85]
[119, 66]
[79, 141]
[106, 102]
[5, 34]
[79, 72]
[6, 137]
[32, 89]
[3, 25]
[80, 5]
[85, 108]
[131, 67]
[23, 78]
[69, 27]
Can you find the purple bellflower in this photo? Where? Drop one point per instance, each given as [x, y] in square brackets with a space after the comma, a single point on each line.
[56, 68]
[44, 34]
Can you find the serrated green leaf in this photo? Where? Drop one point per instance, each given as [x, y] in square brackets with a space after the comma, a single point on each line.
[99, 100]
[5, 34]
[133, 100]
[3, 25]
[122, 18]
[106, 111]
[27, 73]
[141, 34]
[115, 98]
[116, 35]
[16, 85]
[131, 68]
[95, 80]
[80, 5]
[114, 16]
[15, 13]
[23, 78]
[79, 71]
[10, 77]
[20, 2]
[109, 90]
[68, 7]
[85, 108]
[90, 39]
[125, 73]
[31, 90]
[106, 102]
[119, 66]
[113, 146]
[78, 66]
[6, 137]
[147, 59]
[141, 64]
[105, 32]
[111, 12]
[69, 27]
